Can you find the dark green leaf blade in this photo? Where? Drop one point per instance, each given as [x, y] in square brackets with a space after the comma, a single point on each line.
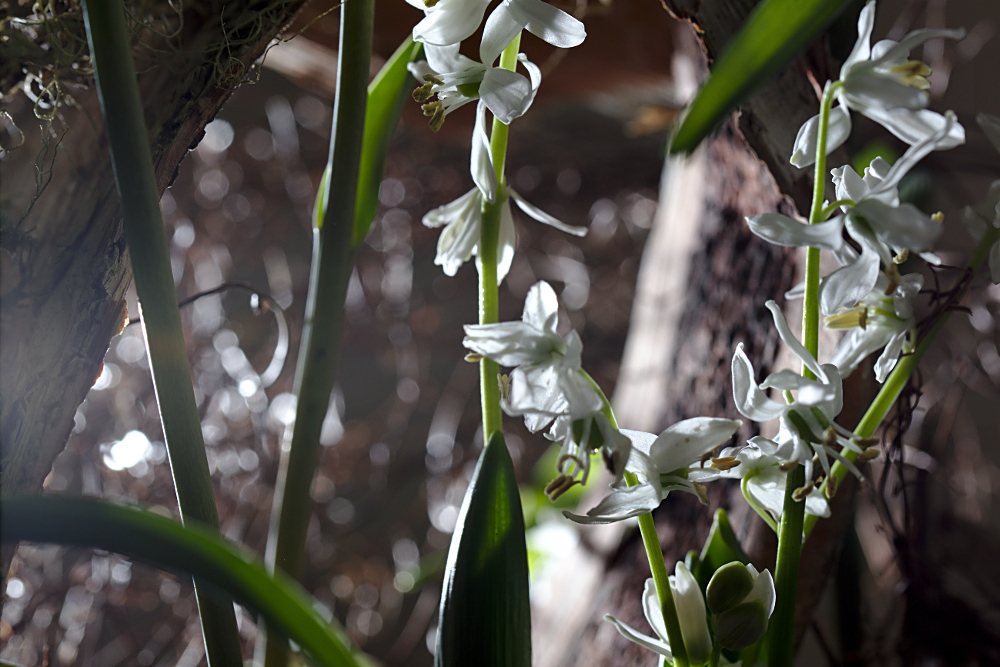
[191, 549]
[485, 615]
[721, 547]
[774, 33]
[387, 93]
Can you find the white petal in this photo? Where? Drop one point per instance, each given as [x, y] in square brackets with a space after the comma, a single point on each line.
[642, 640]
[508, 343]
[652, 610]
[767, 488]
[915, 126]
[854, 348]
[868, 90]
[454, 210]
[808, 360]
[887, 360]
[931, 132]
[751, 402]
[547, 22]
[499, 31]
[541, 216]
[904, 226]
[684, 443]
[622, 504]
[641, 441]
[900, 51]
[541, 308]
[483, 171]
[848, 184]
[506, 242]
[763, 590]
[445, 58]
[838, 129]
[690, 604]
[861, 50]
[784, 231]
[507, 94]
[450, 21]
[850, 284]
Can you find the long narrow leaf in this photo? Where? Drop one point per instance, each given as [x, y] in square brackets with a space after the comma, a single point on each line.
[774, 33]
[485, 617]
[721, 547]
[132, 161]
[191, 549]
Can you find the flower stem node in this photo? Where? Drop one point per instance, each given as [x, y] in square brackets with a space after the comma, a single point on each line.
[730, 584]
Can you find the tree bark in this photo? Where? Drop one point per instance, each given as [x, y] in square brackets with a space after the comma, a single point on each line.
[65, 265]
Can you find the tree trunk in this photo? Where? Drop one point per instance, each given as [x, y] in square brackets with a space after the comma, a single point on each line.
[65, 265]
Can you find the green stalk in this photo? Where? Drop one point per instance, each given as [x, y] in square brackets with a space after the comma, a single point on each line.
[786, 570]
[489, 297]
[194, 549]
[651, 541]
[900, 375]
[331, 267]
[114, 70]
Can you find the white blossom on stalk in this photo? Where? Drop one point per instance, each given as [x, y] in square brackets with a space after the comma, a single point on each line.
[881, 321]
[547, 381]
[448, 21]
[664, 463]
[537, 17]
[806, 419]
[690, 605]
[457, 80]
[462, 218]
[881, 83]
[578, 439]
[872, 215]
[987, 212]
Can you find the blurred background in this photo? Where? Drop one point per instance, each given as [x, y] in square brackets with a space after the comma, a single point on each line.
[401, 435]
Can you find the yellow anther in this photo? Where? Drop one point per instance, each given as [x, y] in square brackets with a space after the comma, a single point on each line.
[913, 73]
[848, 318]
[832, 484]
[435, 111]
[725, 463]
[892, 273]
[938, 217]
[430, 3]
[903, 255]
[702, 493]
[504, 381]
[799, 494]
[473, 357]
[559, 486]
[423, 93]
[868, 454]
[787, 465]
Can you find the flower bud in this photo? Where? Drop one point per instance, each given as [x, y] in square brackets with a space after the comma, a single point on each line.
[729, 585]
[742, 625]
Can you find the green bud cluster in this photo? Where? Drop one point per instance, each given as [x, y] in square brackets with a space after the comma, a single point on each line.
[737, 620]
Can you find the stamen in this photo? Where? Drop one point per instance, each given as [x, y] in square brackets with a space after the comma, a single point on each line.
[787, 465]
[430, 3]
[423, 93]
[938, 217]
[702, 493]
[724, 463]
[473, 357]
[559, 486]
[914, 74]
[832, 484]
[434, 110]
[848, 318]
[903, 255]
[892, 273]
[868, 454]
[504, 380]
[799, 494]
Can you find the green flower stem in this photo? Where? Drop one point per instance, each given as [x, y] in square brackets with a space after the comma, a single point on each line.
[900, 375]
[328, 279]
[786, 570]
[833, 206]
[651, 541]
[489, 311]
[132, 161]
[713, 660]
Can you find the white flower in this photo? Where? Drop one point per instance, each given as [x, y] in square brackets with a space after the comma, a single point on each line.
[579, 438]
[882, 83]
[547, 381]
[874, 218]
[760, 468]
[986, 213]
[462, 219]
[448, 21]
[806, 420]
[881, 321]
[663, 463]
[537, 17]
[457, 80]
[690, 605]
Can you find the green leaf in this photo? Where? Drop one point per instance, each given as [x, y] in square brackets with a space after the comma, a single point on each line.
[485, 616]
[774, 33]
[721, 547]
[387, 93]
[193, 549]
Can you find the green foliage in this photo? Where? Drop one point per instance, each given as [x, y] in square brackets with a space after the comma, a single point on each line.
[485, 614]
[721, 547]
[774, 33]
[192, 549]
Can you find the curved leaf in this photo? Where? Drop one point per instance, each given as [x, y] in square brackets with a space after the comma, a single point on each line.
[774, 33]
[192, 549]
[485, 617]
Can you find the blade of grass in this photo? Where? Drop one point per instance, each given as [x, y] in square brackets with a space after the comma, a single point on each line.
[192, 549]
[774, 33]
[324, 316]
[132, 161]
[485, 616]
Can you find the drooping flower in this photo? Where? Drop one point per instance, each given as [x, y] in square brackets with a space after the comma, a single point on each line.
[872, 215]
[986, 213]
[547, 381]
[448, 21]
[881, 83]
[579, 438]
[881, 321]
[457, 80]
[537, 17]
[806, 426]
[462, 218]
[670, 461]
[690, 605]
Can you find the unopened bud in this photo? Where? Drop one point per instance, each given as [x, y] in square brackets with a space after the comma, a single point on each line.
[729, 585]
[742, 625]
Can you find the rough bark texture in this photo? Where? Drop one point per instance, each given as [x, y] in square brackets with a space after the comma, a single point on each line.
[65, 265]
